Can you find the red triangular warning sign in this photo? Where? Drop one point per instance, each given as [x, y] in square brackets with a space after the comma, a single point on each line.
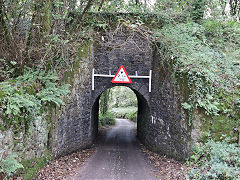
[121, 76]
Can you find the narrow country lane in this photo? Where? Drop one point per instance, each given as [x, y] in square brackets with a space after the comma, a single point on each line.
[118, 157]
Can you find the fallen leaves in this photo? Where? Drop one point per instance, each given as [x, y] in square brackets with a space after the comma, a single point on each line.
[166, 168]
[64, 166]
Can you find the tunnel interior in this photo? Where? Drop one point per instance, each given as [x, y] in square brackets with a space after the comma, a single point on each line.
[143, 115]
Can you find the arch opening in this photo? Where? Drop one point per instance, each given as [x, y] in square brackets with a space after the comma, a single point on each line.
[125, 103]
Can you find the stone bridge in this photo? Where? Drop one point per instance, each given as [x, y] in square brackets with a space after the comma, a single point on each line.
[162, 124]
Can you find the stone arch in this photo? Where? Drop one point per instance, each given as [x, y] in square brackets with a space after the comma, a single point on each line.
[164, 126]
[143, 116]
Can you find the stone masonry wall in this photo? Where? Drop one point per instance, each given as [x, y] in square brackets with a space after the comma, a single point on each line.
[170, 133]
[73, 129]
[62, 130]
[162, 122]
[26, 145]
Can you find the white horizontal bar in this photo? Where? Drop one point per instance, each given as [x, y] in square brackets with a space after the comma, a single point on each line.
[106, 75]
[103, 75]
[140, 77]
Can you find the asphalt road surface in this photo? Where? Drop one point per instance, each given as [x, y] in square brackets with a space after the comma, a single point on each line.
[118, 157]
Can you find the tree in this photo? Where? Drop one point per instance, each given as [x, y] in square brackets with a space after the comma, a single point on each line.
[4, 30]
[235, 7]
[104, 101]
[197, 10]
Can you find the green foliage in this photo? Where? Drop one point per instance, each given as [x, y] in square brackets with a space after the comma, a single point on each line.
[121, 103]
[6, 70]
[10, 165]
[132, 116]
[122, 97]
[124, 112]
[186, 106]
[21, 98]
[106, 119]
[114, 6]
[224, 36]
[213, 79]
[215, 160]
[197, 10]
[225, 127]
[104, 101]
[33, 166]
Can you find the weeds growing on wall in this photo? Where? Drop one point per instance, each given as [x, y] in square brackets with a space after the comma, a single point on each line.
[23, 97]
[213, 77]
[33, 166]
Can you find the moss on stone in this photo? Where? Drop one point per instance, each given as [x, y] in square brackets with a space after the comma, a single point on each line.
[33, 166]
[182, 81]
[83, 52]
[223, 126]
[2, 128]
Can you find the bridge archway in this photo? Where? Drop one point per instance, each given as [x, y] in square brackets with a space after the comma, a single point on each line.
[143, 115]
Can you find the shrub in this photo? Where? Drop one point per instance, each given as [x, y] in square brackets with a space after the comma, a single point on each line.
[122, 97]
[123, 112]
[132, 116]
[215, 160]
[212, 76]
[106, 119]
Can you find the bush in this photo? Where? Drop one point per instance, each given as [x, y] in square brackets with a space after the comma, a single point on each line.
[215, 160]
[122, 97]
[212, 74]
[106, 119]
[132, 116]
[123, 112]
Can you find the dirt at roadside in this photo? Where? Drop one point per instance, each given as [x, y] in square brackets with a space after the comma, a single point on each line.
[65, 166]
[166, 168]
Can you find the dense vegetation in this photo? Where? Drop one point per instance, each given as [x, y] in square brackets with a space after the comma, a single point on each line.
[123, 103]
[199, 38]
[215, 160]
[117, 102]
[213, 75]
